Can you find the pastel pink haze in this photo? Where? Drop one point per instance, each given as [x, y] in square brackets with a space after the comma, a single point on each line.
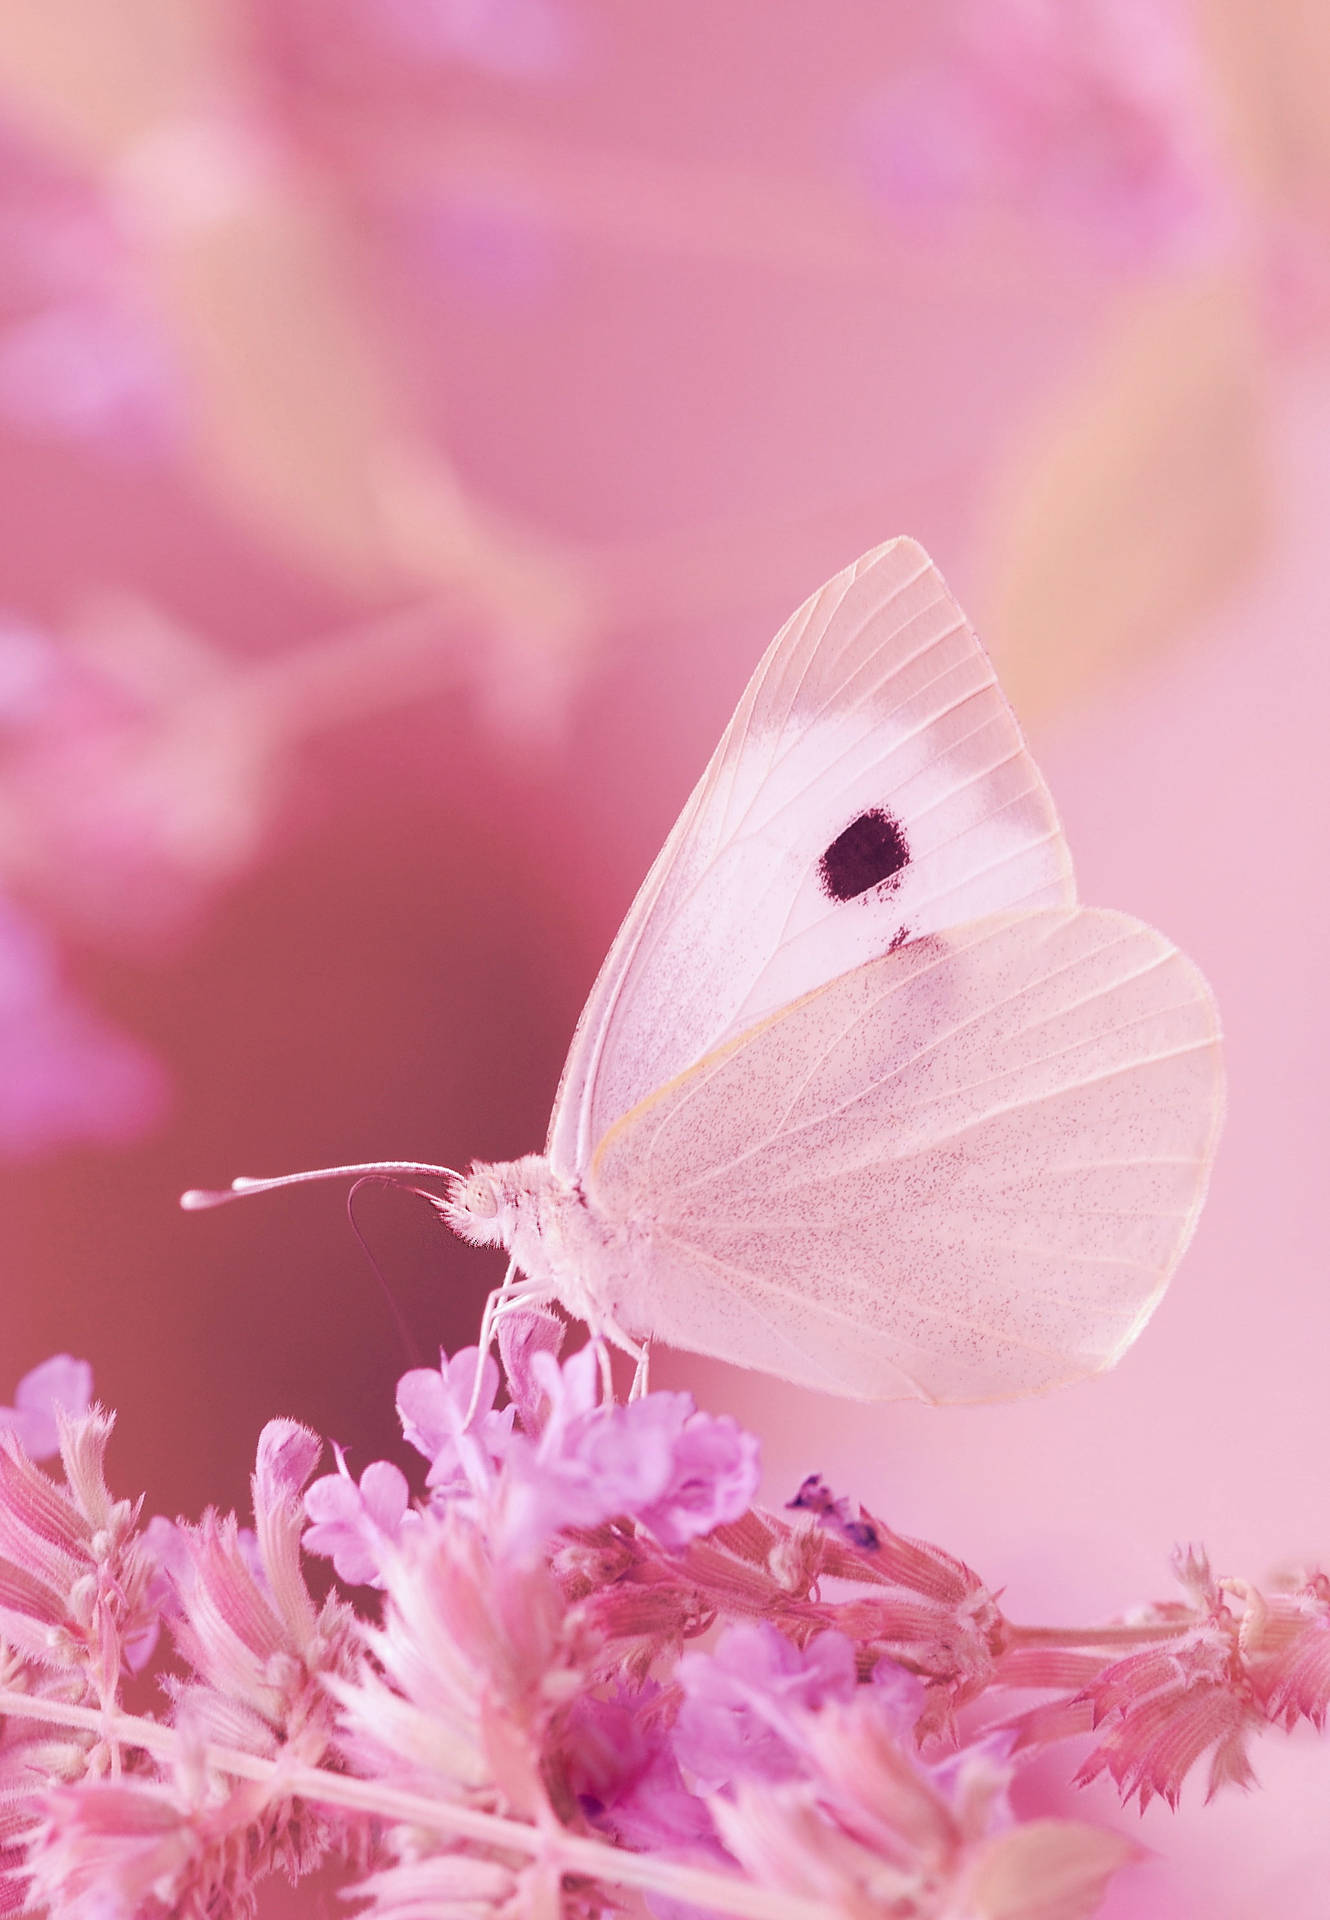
[635, 282]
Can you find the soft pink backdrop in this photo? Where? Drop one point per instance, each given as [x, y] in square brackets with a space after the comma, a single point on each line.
[577, 345]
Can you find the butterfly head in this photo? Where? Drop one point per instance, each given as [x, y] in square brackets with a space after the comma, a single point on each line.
[484, 1203]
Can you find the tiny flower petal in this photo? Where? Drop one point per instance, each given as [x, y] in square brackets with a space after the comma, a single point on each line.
[737, 1718]
[523, 1333]
[433, 1405]
[620, 1765]
[60, 1382]
[713, 1479]
[353, 1524]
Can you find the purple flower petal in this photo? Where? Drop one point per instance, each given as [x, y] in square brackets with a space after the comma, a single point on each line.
[740, 1716]
[523, 1334]
[60, 1381]
[714, 1479]
[352, 1525]
[433, 1403]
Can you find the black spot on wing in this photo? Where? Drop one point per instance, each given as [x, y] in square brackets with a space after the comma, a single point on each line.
[871, 849]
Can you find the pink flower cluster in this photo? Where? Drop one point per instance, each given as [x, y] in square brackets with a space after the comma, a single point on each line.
[581, 1671]
[571, 1461]
[1093, 113]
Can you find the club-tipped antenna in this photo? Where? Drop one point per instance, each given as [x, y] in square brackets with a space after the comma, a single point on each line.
[199, 1198]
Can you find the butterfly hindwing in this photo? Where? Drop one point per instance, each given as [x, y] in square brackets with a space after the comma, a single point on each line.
[964, 1170]
[872, 787]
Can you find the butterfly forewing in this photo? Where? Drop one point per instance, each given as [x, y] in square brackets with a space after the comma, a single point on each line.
[871, 788]
[963, 1170]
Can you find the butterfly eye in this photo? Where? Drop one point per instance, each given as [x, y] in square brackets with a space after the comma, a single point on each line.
[481, 1199]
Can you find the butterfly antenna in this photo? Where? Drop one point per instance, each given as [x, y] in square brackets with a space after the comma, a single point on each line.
[197, 1199]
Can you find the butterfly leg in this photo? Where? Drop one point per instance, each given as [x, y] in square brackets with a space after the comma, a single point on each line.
[486, 1334]
[512, 1293]
[609, 1335]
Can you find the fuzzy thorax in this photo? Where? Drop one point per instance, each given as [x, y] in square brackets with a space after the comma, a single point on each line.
[547, 1228]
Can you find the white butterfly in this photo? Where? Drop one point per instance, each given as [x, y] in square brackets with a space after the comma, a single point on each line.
[862, 1097]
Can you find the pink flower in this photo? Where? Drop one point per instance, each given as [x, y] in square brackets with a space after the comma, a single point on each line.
[865, 1827]
[657, 1460]
[713, 1476]
[742, 1704]
[449, 1886]
[523, 1333]
[351, 1523]
[519, 1712]
[260, 1648]
[590, 1464]
[474, 1657]
[107, 1851]
[136, 1848]
[76, 1603]
[433, 1404]
[619, 1761]
[58, 1383]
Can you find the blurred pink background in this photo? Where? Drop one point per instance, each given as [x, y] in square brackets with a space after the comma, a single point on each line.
[415, 418]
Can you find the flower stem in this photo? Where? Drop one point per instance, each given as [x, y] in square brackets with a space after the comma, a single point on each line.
[1093, 1637]
[570, 1852]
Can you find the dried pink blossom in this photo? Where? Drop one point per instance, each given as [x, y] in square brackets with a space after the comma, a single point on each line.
[1288, 1651]
[448, 1886]
[108, 1851]
[473, 1658]
[866, 1827]
[259, 1648]
[1159, 1711]
[75, 1603]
